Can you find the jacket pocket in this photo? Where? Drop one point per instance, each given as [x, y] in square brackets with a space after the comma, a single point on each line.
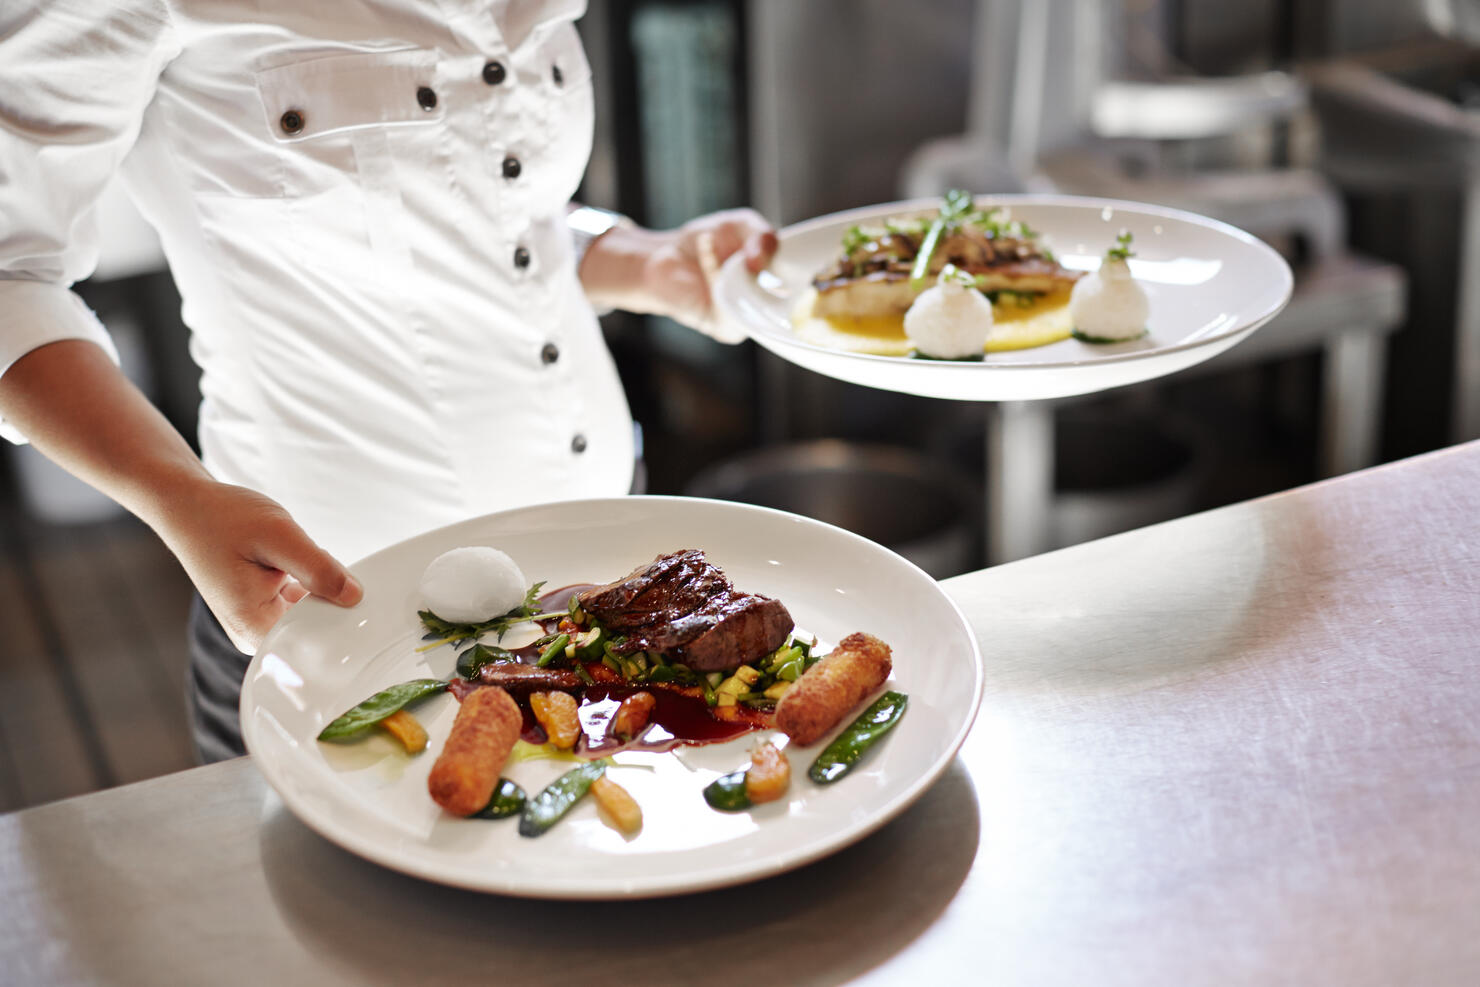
[334, 94]
[335, 120]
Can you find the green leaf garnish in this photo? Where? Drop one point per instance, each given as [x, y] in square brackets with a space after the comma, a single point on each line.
[854, 238]
[957, 206]
[1122, 249]
[974, 358]
[379, 706]
[951, 274]
[471, 661]
[448, 632]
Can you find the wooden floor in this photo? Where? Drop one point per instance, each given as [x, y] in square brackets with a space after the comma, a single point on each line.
[92, 657]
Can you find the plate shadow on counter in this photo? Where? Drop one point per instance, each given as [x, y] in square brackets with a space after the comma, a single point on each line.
[827, 922]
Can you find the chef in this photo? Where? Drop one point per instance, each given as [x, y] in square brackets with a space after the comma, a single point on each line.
[366, 208]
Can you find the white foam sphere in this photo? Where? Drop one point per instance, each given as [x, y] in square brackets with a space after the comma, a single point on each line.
[472, 584]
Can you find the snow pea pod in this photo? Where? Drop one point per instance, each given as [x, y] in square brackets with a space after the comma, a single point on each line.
[508, 800]
[379, 706]
[839, 757]
[546, 808]
[727, 792]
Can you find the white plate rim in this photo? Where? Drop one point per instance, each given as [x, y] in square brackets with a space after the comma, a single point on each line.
[738, 873]
[733, 269]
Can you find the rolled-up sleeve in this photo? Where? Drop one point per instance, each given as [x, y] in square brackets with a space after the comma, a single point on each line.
[76, 77]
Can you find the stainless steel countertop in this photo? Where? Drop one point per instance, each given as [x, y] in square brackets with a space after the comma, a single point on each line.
[1241, 747]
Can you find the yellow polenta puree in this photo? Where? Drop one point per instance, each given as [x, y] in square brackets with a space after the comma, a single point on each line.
[1014, 327]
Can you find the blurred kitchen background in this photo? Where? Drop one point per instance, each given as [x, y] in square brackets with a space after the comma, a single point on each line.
[1344, 132]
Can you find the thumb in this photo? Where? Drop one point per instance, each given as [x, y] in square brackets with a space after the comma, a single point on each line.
[315, 569]
[759, 249]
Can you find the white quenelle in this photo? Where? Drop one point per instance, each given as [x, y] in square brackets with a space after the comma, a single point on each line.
[1109, 305]
[472, 584]
[950, 320]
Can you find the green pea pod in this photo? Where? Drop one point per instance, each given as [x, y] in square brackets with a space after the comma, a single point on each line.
[379, 706]
[546, 808]
[727, 793]
[508, 800]
[839, 757]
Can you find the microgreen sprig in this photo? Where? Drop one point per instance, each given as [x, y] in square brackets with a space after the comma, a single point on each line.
[951, 274]
[440, 632]
[956, 209]
[1122, 249]
[854, 238]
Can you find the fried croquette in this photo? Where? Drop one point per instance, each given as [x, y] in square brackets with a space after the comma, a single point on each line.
[482, 736]
[829, 689]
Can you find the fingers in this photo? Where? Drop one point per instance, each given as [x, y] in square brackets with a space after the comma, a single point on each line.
[261, 593]
[709, 259]
[250, 560]
[682, 265]
[759, 250]
[738, 230]
[289, 549]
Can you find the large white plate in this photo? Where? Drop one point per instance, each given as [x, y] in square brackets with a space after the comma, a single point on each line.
[372, 799]
[1210, 285]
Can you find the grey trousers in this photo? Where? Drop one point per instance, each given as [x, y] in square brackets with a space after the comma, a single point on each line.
[213, 686]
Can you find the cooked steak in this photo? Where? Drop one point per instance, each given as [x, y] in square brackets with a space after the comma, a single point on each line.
[670, 587]
[733, 630]
[614, 597]
[683, 606]
[513, 675]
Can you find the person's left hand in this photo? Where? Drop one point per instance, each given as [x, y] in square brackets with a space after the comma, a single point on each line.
[669, 272]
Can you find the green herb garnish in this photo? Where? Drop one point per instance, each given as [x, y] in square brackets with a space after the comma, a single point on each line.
[951, 274]
[1122, 249]
[959, 210]
[855, 238]
[471, 661]
[370, 712]
[956, 209]
[973, 358]
[440, 632]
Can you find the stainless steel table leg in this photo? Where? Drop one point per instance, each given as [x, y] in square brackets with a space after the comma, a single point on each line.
[1351, 401]
[1019, 478]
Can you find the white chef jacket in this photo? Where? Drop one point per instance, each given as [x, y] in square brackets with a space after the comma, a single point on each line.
[363, 207]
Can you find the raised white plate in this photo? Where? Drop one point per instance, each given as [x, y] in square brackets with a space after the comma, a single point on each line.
[1210, 285]
[372, 799]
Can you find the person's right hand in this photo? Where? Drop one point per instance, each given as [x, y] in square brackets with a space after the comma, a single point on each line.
[249, 559]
